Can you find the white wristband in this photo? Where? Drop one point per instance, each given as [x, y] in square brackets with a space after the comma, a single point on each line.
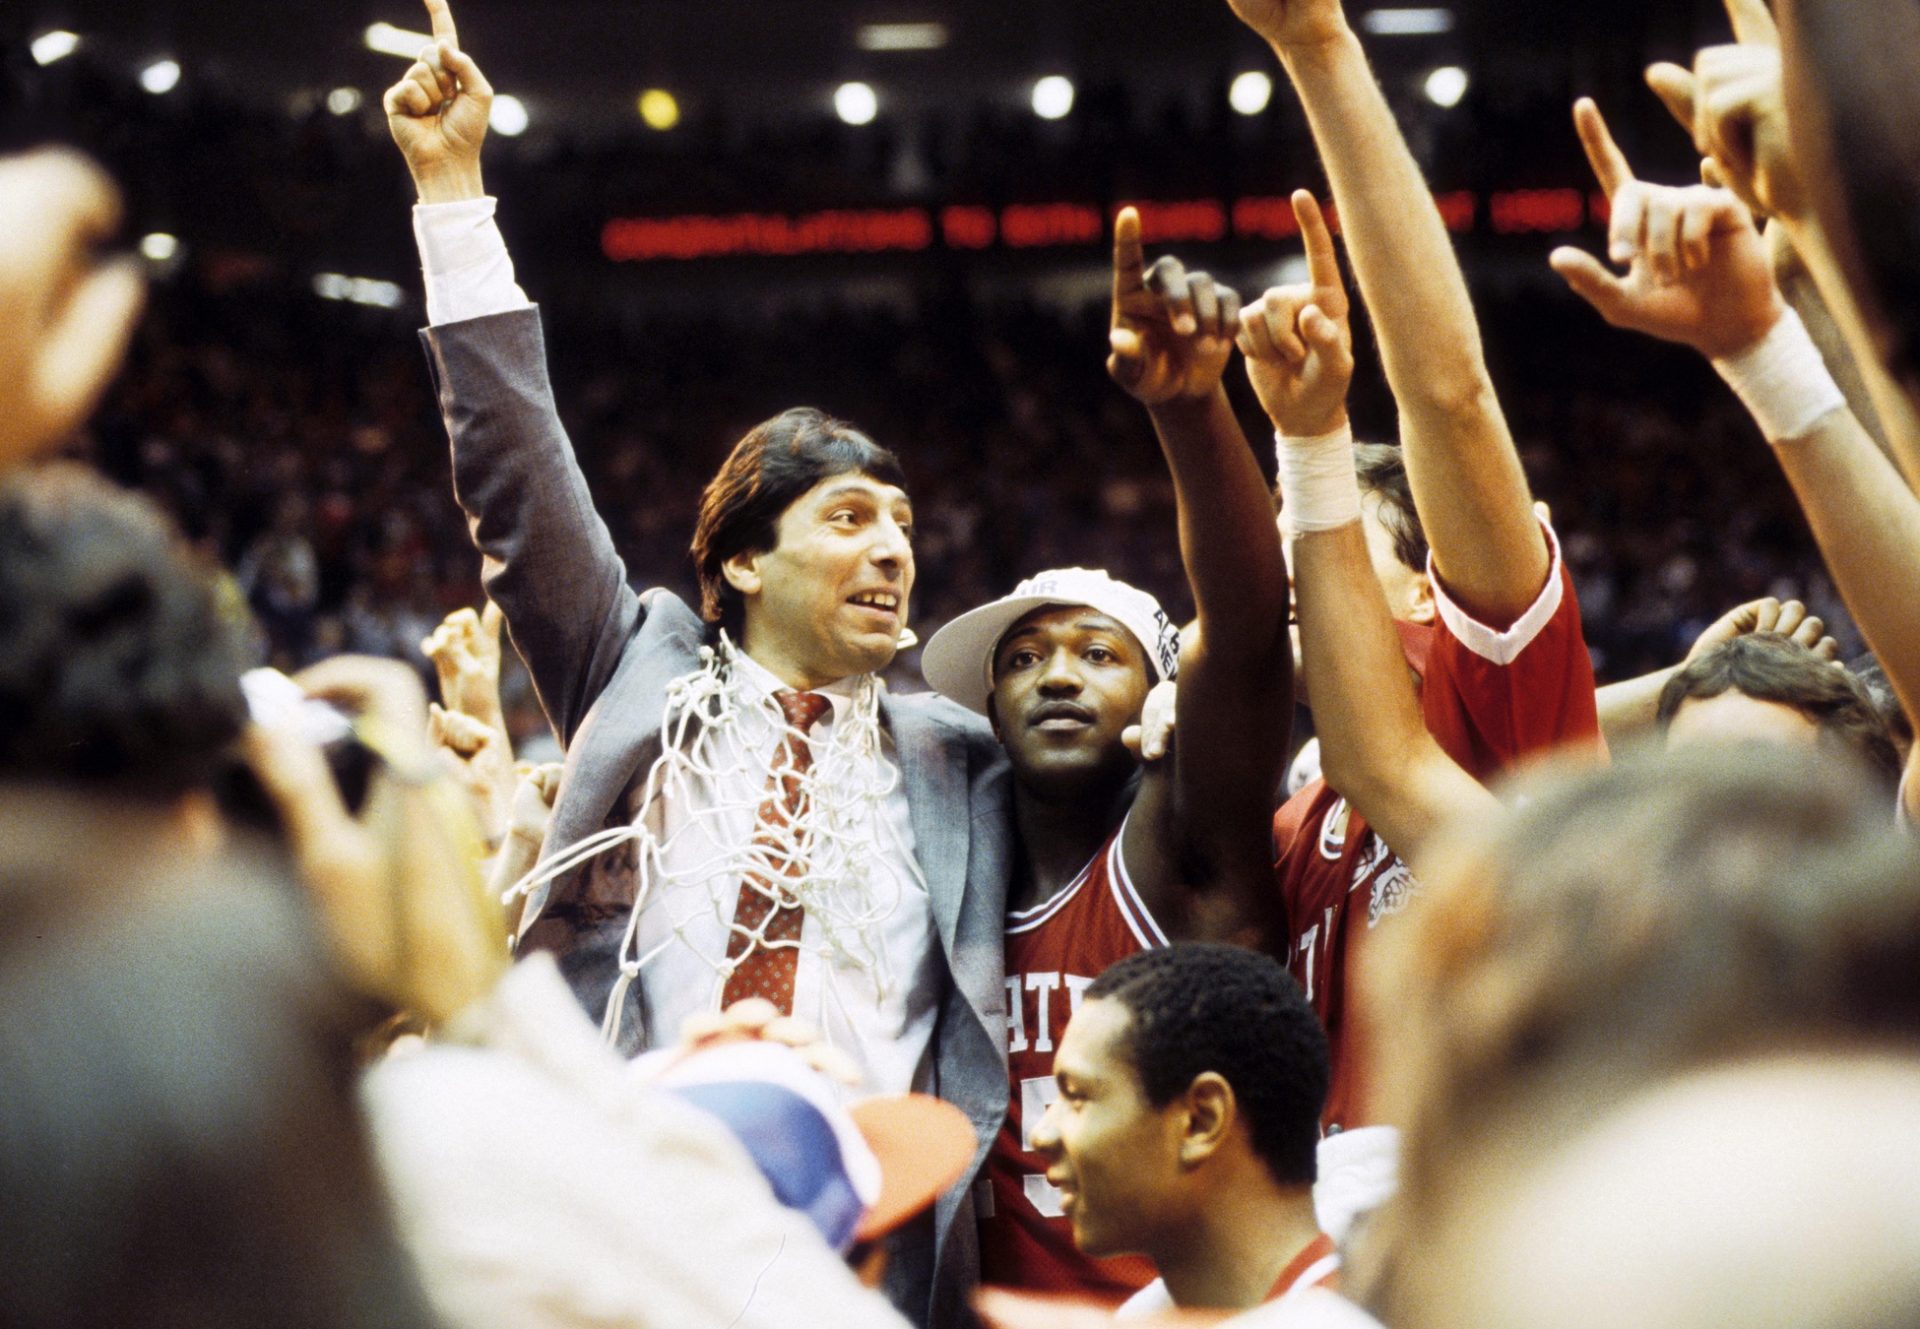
[1319, 489]
[1783, 381]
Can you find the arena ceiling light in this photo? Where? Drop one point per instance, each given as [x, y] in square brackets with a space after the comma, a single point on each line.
[56, 45]
[403, 42]
[856, 103]
[344, 101]
[1250, 92]
[901, 36]
[1446, 85]
[358, 290]
[158, 246]
[1053, 97]
[162, 76]
[509, 115]
[1407, 22]
[659, 109]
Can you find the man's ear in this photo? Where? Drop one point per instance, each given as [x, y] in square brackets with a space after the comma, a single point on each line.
[993, 719]
[1210, 1113]
[742, 572]
[1422, 609]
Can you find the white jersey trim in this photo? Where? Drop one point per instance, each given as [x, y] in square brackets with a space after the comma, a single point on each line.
[1312, 1276]
[1503, 648]
[1132, 907]
[1026, 920]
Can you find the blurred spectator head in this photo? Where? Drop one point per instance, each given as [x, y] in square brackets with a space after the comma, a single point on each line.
[120, 650]
[1780, 1193]
[1184, 1069]
[778, 462]
[179, 1136]
[1867, 672]
[1765, 686]
[1615, 928]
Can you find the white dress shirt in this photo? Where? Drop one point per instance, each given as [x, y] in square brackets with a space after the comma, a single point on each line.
[873, 991]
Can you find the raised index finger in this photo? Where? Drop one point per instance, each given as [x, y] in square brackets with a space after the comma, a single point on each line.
[1129, 259]
[1603, 154]
[442, 17]
[1753, 23]
[1323, 265]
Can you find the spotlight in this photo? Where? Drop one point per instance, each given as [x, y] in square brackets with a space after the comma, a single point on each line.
[659, 109]
[1407, 22]
[1250, 93]
[855, 103]
[55, 45]
[343, 101]
[902, 36]
[162, 76]
[159, 246]
[1446, 85]
[1053, 97]
[509, 115]
[389, 40]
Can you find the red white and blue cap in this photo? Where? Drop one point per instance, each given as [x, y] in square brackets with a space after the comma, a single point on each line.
[856, 1172]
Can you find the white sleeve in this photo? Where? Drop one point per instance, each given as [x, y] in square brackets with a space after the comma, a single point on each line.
[464, 259]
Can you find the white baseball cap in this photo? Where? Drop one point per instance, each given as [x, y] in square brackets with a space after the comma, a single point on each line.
[958, 661]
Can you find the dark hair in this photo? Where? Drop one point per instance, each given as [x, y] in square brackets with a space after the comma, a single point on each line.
[1768, 667]
[778, 461]
[1857, 57]
[1383, 471]
[1201, 1007]
[180, 1137]
[120, 650]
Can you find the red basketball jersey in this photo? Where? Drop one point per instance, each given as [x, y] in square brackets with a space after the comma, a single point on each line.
[1489, 698]
[1054, 951]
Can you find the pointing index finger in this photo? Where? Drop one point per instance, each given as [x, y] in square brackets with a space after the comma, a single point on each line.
[442, 17]
[1603, 154]
[1323, 265]
[1129, 259]
[1753, 24]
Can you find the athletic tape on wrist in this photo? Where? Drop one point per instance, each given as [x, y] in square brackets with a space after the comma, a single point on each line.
[1783, 381]
[1319, 488]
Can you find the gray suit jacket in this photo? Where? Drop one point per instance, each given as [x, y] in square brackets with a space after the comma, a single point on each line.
[601, 655]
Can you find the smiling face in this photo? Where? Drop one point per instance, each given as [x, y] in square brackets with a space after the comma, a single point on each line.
[1112, 1155]
[1066, 681]
[829, 600]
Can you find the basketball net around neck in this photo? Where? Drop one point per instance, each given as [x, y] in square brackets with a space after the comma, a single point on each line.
[714, 768]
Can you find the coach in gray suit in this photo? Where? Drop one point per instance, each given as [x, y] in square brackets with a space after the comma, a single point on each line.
[803, 553]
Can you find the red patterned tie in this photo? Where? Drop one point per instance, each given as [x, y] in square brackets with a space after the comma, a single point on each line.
[768, 970]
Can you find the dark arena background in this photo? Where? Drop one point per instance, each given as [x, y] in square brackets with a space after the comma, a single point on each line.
[897, 212]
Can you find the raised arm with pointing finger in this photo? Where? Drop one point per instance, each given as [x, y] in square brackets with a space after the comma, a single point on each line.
[1472, 495]
[1697, 273]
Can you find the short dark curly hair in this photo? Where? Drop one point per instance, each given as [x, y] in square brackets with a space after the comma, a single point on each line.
[1769, 667]
[775, 463]
[1200, 1007]
[121, 650]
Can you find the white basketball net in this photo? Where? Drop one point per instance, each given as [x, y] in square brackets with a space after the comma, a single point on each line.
[719, 753]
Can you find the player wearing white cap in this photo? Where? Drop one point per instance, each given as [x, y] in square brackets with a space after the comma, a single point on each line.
[1112, 859]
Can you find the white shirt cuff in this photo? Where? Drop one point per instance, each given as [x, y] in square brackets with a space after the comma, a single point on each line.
[464, 261]
[1496, 647]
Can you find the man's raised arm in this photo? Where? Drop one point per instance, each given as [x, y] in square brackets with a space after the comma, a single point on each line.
[1374, 744]
[1172, 336]
[549, 562]
[1467, 481]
